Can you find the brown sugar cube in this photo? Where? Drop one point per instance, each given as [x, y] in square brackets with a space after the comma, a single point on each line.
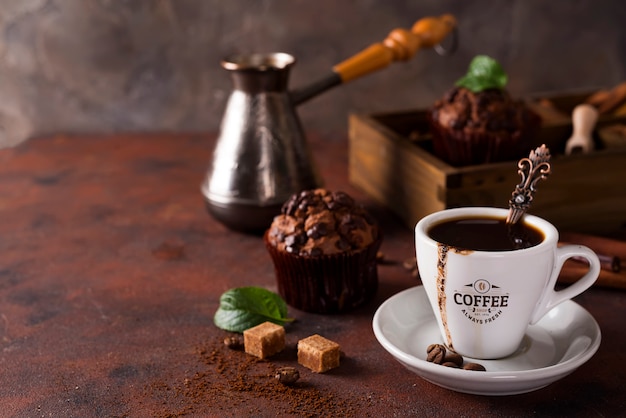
[264, 340]
[318, 354]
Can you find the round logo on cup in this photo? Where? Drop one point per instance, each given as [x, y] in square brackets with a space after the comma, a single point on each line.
[482, 286]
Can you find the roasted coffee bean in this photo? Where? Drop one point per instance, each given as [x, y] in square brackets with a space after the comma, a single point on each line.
[438, 354]
[452, 357]
[287, 375]
[233, 342]
[450, 364]
[474, 366]
[435, 353]
[409, 263]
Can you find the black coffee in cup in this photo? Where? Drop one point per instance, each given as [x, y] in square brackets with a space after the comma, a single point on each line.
[485, 234]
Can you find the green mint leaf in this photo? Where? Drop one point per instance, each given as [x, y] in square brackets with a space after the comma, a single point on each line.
[483, 73]
[245, 307]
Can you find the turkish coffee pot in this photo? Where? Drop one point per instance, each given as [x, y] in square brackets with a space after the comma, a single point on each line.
[261, 156]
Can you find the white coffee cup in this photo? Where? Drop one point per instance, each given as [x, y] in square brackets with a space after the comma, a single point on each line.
[484, 300]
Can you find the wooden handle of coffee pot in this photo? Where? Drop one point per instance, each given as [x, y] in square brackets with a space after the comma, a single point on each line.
[400, 45]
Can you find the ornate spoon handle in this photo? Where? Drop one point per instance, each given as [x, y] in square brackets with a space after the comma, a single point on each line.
[532, 169]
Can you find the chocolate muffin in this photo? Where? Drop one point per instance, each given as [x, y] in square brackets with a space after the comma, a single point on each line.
[478, 122]
[324, 245]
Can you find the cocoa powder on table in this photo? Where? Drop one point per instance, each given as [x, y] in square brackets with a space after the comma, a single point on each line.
[229, 378]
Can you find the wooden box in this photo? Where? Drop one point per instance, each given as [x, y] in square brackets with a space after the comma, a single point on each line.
[390, 158]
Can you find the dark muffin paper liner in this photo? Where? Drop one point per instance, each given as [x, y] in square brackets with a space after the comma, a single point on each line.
[329, 283]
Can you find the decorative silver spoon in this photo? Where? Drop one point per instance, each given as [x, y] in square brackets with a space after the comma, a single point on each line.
[532, 169]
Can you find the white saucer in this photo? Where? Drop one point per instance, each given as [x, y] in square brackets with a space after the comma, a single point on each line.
[563, 340]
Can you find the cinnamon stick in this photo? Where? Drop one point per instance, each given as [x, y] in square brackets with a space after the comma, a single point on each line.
[607, 262]
[574, 271]
[597, 243]
[608, 100]
[610, 252]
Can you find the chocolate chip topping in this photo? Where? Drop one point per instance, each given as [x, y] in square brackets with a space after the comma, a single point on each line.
[491, 110]
[317, 231]
[316, 222]
[340, 199]
[342, 245]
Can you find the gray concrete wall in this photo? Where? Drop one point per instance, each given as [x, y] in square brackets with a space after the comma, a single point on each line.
[71, 66]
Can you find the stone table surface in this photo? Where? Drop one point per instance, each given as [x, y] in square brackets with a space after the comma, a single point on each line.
[111, 271]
